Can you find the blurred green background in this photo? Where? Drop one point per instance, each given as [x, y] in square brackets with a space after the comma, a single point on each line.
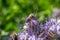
[13, 13]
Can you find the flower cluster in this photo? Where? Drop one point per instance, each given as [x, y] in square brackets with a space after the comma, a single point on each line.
[45, 32]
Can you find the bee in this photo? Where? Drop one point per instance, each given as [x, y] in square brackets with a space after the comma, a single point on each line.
[51, 34]
[13, 36]
[31, 16]
[28, 21]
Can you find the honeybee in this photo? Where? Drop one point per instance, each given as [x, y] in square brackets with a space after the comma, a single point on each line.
[13, 36]
[31, 16]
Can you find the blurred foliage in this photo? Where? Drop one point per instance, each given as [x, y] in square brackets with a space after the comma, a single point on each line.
[13, 13]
